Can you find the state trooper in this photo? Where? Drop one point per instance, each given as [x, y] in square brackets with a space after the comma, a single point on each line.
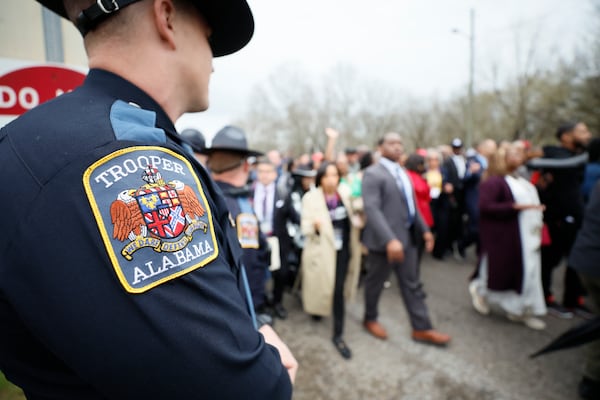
[120, 273]
[228, 161]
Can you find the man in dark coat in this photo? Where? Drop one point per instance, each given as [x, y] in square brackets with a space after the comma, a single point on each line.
[477, 163]
[286, 227]
[560, 191]
[452, 204]
[266, 200]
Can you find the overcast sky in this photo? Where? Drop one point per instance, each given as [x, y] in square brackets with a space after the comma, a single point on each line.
[407, 44]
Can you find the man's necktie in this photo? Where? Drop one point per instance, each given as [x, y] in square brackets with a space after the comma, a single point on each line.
[406, 188]
[265, 213]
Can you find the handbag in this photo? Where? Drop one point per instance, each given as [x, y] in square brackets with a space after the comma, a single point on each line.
[546, 239]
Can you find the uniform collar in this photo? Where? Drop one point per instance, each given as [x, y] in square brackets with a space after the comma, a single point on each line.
[126, 91]
[234, 191]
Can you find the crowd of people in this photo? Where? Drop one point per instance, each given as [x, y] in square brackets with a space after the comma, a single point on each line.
[359, 214]
[136, 227]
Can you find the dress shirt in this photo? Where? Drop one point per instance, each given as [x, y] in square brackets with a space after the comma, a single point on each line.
[403, 182]
[264, 198]
[461, 165]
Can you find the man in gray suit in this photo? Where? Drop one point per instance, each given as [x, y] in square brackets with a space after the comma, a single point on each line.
[391, 233]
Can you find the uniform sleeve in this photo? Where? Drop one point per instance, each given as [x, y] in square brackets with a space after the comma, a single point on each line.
[558, 163]
[188, 335]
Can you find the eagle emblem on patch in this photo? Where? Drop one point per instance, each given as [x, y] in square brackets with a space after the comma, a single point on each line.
[152, 214]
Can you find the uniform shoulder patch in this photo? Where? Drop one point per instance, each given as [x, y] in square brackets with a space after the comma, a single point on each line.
[152, 214]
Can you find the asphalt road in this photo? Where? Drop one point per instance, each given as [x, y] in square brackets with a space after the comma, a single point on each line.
[488, 358]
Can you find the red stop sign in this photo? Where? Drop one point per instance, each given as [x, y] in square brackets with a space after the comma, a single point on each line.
[25, 88]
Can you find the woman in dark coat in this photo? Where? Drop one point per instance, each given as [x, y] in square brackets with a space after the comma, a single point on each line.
[509, 269]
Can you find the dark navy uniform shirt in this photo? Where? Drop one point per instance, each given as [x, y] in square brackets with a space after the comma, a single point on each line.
[562, 196]
[255, 249]
[117, 278]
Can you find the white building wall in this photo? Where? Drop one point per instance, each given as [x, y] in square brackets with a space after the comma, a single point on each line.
[22, 37]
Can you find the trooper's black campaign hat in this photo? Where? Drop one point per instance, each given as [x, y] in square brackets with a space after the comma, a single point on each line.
[231, 139]
[231, 21]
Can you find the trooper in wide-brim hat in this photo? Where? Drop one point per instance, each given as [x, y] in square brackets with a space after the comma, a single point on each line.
[228, 150]
[111, 148]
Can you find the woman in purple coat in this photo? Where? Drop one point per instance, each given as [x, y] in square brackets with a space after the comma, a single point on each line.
[508, 278]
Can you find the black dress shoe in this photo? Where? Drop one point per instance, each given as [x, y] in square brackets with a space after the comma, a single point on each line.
[280, 311]
[341, 347]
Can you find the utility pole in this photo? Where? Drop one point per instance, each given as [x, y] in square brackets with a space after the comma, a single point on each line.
[471, 111]
[471, 121]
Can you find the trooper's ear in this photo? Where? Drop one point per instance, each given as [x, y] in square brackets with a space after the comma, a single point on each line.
[164, 14]
[247, 166]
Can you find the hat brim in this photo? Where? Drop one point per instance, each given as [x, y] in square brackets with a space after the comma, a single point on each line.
[305, 174]
[54, 5]
[247, 153]
[231, 22]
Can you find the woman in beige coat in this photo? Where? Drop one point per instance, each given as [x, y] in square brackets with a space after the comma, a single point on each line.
[331, 255]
